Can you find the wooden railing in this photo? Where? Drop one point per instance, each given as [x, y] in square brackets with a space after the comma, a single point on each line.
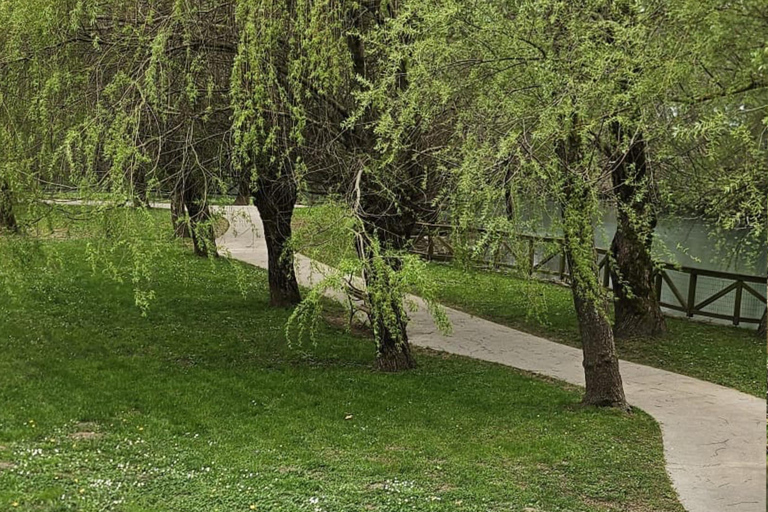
[433, 242]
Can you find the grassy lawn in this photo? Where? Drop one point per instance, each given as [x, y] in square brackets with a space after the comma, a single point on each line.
[725, 355]
[203, 406]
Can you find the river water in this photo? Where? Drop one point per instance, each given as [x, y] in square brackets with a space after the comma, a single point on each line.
[696, 244]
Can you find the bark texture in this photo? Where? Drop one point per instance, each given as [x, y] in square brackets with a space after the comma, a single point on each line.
[637, 308]
[604, 386]
[243, 191]
[386, 314]
[275, 197]
[178, 214]
[7, 215]
[393, 353]
[201, 229]
[140, 189]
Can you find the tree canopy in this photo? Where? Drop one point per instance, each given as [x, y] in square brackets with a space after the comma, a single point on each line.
[476, 113]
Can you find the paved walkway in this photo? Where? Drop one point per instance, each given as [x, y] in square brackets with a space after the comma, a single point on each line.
[714, 437]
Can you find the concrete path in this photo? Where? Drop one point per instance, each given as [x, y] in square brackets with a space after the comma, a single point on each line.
[714, 437]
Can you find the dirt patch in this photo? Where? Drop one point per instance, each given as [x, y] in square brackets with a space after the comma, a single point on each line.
[86, 431]
[185, 361]
[84, 436]
[340, 318]
[5, 466]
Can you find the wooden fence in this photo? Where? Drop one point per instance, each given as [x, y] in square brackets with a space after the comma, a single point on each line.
[433, 242]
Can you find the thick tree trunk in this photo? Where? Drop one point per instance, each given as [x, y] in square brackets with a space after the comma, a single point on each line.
[386, 313]
[604, 387]
[7, 215]
[393, 350]
[275, 197]
[200, 227]
[637, 308]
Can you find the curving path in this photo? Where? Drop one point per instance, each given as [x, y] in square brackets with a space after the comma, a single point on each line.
[714, 437]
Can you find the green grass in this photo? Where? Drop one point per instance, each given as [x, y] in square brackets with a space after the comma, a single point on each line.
[203, 406]
[724, 355]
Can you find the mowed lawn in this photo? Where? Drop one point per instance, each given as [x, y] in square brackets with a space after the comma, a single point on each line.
[202, 405]
[725, 355]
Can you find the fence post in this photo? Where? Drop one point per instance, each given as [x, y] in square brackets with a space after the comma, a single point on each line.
[691, 306]
[496, 256]
[659, 282]
[737, 303]
[531, 256]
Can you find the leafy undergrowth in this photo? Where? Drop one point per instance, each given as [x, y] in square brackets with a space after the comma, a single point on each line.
[201, 405]
[724, 355]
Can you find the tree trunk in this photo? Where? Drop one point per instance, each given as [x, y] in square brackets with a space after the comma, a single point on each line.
[180, 226]
[636, 307]
[275, 197]
[604, 387]
[7, 215]
[200, 227]
[385, 311]
[393, 350]
[601, 365]
[140, 192]
[243, 191]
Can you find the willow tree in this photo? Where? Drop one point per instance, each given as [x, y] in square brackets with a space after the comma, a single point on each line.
[35, 48]
[688, 101]
[307, 87]
[393, 174]
[577, 57]
[288, 69]
[630, 31]
[137, 97]
[109, 98]
[531, 81]
[44, 108]
[158, 87]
